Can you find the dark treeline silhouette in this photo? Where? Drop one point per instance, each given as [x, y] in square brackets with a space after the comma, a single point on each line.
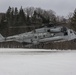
[16, 21]
[73, 21]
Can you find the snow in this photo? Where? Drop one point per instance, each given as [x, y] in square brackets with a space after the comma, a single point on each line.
[45, 62]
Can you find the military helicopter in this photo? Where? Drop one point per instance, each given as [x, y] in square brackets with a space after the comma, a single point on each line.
[45, 34]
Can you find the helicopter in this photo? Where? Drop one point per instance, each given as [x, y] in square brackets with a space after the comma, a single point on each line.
[43, 34]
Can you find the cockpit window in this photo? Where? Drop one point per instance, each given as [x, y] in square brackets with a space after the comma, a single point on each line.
[35, 37]
[48, 30]
[65, 33]
[43, 35]
[63, 29]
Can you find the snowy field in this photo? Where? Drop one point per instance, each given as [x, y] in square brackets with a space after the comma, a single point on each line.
[21, 62]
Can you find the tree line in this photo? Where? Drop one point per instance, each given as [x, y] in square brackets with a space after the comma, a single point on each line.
[29, 18]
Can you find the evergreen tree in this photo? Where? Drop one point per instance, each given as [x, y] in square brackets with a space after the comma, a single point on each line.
[16, 17]
[11, 17]
[28, 20]
[21, 17]
[73, 20]
[34, 17]
[8, 14]
[3, 26]
[16, 11]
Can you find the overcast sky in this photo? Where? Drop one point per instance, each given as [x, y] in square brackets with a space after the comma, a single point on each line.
[61, 7]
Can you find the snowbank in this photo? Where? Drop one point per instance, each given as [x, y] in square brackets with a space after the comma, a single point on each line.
[60, 63]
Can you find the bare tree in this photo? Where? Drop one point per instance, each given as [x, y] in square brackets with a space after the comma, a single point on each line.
[29, 11]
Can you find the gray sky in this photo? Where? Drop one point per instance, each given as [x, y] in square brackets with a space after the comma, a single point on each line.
[61, 7]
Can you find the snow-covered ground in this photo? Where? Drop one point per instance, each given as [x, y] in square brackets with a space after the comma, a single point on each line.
[37, 63]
